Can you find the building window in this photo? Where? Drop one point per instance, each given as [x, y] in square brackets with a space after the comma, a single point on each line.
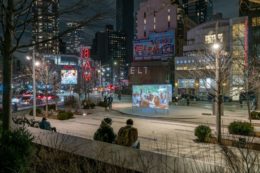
[256, 21]
[211, 38]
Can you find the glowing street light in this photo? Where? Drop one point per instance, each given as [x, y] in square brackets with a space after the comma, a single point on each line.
[216, 46]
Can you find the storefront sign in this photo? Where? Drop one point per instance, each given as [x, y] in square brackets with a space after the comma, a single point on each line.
[138, 70]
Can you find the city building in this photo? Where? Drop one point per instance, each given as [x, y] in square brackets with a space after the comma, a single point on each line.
[198, 10]
[45, 25]
[74, 40]
[125, 24]
[195, 71]
[109, 47]
[160, 34]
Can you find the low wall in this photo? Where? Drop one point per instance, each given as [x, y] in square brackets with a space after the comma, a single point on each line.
[129, 158]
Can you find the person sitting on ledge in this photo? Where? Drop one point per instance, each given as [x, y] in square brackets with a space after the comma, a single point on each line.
[128, 135]
[105, 132]
[46, 125]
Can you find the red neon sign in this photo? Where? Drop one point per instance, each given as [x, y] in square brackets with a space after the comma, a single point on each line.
[86, 66]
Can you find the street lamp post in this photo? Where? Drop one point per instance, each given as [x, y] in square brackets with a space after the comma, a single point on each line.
[216, 48]
[34, 84]
[34, 63]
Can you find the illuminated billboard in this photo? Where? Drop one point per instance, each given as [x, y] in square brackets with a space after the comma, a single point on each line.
[69, 77]
[152, 96]
[158, 46]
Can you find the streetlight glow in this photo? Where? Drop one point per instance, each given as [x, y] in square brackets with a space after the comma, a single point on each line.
[28, 57]
[215, 46]
[37, 63]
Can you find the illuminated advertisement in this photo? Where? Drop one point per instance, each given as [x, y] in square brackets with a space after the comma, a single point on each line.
[158, 46]
[69, 77]
[152, 96]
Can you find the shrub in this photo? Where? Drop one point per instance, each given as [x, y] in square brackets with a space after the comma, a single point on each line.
[203, 133]
[70, 101]
[92, 105]
[88, 104]
[38, 112]
[51, 106]
[63, 115]
[102, 104]
[241, 128]
[16, 151]
[255, 115]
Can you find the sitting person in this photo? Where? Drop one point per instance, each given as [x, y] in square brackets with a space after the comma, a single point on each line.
[128, 135]
[46, 125]
[105, 132]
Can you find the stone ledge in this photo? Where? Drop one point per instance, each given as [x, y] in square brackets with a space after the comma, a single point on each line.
[129, 158]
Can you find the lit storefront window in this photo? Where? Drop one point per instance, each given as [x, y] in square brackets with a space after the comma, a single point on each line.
[256, 21]
[211, 38]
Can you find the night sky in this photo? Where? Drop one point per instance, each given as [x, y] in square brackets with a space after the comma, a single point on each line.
[229, 8]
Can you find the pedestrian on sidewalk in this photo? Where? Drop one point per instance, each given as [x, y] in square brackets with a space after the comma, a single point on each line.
[128, 135]
[106, 102]
[110, 102]
[240, 102]
[119, 96]
[188, 101]
[105, 132]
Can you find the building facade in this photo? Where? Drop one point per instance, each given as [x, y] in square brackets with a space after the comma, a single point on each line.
[160, 33]
[125, 24]
[198, 10]
[74, 40]
[195, 71]
[45, 25]
[109, 47]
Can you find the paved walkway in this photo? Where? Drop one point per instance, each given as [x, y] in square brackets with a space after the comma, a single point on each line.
[188, 114]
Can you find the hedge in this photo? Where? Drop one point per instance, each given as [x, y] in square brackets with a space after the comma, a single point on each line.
[241, 128]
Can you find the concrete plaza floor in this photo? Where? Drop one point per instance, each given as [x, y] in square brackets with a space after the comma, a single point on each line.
[171, 133]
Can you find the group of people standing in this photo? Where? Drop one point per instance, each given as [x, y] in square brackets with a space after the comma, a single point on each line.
[127, 135]
[108, 100]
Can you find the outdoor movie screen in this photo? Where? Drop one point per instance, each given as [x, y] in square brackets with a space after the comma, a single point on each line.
[152, 96]
[69, 77]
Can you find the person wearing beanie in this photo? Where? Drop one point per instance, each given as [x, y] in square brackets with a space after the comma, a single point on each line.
[105, 132]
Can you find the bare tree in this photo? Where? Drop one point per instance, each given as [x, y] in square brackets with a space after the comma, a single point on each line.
[15, 21]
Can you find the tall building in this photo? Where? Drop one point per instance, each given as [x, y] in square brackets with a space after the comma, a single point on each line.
[198, 10]
[161, 28]
[45, 25]
[74, 39]
[251, 8]
[125, 24]
[109, 47]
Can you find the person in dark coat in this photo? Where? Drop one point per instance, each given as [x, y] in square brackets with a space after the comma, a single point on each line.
[46, 125]
[110, 101]
[105, 132]
[106, 102]
[188, 101]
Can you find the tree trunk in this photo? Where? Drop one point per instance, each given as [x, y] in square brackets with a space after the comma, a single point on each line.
[46, 93]
[7, 67]
[7, 90]
[258, 99]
